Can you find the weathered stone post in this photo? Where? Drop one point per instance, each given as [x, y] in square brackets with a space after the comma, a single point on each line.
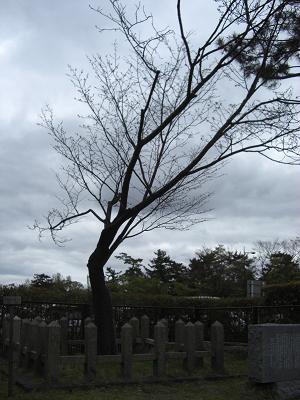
[52, 352]
[159, 364]
[166, 324]
[34, 341]
[16, 342]
[11, 302]
[199, 330]
[30, 343]
[87, 321]
[190, 347]
[126, 350]
[64, 336]
[25, 343]
[217, 347]
[145, 327]
[179, 334]
[135, 323]
[90, 341]
[43, 333]
[5, 333]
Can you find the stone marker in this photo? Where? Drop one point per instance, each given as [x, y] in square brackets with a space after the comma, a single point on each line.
[25, 338]
[52, 352]
[5, 331]
[135, 323]
[199, 327]
[159, 364]
[43, 333]
[274, 352]
[217, 347]
[190, 347]
[16, 341]
[165, 322]
[199, 332]
[145, 327]
[90, 341]
[64, 335]
[179, 334]
[126, 350]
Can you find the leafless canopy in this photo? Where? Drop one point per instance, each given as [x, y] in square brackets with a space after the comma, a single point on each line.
[160, 122]
[265, 249]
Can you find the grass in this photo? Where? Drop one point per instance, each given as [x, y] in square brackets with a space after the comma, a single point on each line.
[233, 389]
[237, 388]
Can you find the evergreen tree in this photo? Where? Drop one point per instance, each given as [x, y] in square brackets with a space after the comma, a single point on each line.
[220, 272]
[166, 271]
[281, 269]
[41, 281]
[135, 267]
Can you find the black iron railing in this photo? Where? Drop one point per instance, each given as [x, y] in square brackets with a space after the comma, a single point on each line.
[234, 319]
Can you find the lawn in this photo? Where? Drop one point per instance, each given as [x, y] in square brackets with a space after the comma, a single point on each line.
[231, 387]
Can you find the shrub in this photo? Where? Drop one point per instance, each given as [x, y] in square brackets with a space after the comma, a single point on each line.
[162, 301]
[280, 294]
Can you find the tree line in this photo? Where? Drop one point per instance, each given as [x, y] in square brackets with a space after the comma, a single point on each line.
[216, 272]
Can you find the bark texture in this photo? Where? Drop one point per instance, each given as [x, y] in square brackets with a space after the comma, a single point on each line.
[102, 303]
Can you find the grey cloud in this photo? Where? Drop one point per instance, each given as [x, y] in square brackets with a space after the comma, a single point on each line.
[253, 199]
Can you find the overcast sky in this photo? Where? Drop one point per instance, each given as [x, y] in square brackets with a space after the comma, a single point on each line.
[254, 199]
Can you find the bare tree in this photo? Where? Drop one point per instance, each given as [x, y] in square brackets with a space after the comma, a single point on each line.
[265, 249]
[159, 124]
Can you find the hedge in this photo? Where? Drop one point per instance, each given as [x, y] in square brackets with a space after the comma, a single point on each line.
[280, 294]
[181, 301]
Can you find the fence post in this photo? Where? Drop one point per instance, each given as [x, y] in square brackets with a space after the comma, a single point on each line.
[179, 334]
[217, 347]
[16, 341]
[199, 327]
[34, 342]
[145, 327]
[199, 332]
[87, 321]
[190, 346]
[43, 332]
[38, 319]
[25, 342]
[90, 341]
[52, 352]
[166, 324]
[5, 333]
[159, 364]
[64, 336]
[13, 349]
[126, 350]
[135, 323]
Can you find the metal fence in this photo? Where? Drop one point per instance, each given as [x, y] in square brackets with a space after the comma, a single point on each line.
[234, 319]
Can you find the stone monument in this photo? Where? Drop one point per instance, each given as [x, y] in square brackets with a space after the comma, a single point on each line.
[274, 356]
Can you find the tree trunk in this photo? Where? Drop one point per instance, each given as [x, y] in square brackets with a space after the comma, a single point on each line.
[102, 303]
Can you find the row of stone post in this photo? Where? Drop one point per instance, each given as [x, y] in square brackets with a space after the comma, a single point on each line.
[189, 339]
[37, 344]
